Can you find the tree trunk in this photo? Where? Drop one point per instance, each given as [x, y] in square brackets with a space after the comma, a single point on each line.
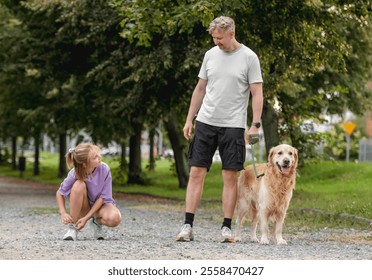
[270, 122]
[151, 152]
[14, 152]
[123, 157]
[37, 155]
[135, 161]
[178, 146]
[62, 168]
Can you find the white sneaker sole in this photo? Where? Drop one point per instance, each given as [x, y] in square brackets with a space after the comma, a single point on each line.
[183, 239]
[69, 238]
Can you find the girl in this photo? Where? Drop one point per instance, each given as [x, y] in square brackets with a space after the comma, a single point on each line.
[89, 188]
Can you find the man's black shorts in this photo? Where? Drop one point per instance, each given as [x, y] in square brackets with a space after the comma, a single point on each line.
[230, 143]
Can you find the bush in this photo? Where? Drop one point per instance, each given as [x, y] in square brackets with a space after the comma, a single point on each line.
[335, 144]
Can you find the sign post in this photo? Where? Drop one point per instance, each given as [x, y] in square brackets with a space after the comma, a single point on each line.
[349, 128]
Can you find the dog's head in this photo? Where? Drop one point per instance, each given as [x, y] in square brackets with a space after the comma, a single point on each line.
[284, 157]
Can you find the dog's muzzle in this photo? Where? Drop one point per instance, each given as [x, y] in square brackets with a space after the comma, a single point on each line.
[285, 166]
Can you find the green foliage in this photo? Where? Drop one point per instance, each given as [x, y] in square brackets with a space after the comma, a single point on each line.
[101, 65]
[4, 156]
[335, 145]
[119, 175]
[142, 20]
[311, 54]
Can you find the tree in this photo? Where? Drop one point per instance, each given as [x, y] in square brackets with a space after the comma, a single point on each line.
[173, 32]
[68, 55]
[312, 64]
[68, 43]
[295, 40]
[15, 83]
[43, 59]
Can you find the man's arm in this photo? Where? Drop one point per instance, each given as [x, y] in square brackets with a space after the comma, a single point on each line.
[195, 104]
[257, 104]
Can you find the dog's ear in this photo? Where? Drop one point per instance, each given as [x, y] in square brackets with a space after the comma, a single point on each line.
[271, 155]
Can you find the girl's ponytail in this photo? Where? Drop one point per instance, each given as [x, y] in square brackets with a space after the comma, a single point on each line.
[70, 158]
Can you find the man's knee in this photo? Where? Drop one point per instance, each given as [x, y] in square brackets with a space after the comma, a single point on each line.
[197, 172]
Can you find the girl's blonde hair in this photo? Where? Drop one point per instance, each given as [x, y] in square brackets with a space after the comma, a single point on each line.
[79, 158]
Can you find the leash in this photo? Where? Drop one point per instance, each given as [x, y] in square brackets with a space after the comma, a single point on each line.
[253, 139]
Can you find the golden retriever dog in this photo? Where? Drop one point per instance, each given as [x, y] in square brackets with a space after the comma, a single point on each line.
[267, 198]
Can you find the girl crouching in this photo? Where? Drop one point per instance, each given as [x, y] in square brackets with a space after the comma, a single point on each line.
[88, 186]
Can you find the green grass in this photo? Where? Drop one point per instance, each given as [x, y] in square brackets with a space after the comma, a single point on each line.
[164, 183]
[42, 211]
[48, 169]
[324, 190]
[335, 188]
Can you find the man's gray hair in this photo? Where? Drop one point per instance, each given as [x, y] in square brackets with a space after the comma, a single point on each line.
[223, 23]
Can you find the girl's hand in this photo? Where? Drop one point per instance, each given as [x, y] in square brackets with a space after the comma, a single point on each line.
[66, 219]
[81, 223]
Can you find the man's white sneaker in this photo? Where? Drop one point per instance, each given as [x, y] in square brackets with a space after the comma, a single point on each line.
[227, 235]
[97, 228]
[186, 233]
[71, 233]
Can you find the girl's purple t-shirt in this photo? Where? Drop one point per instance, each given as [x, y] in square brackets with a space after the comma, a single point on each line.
[99, 184]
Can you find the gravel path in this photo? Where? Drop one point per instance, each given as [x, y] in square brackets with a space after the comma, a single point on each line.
[30, 229]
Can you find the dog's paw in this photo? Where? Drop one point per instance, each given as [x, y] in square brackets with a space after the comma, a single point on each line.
[255, 239]
[264, 241]
[281, 242]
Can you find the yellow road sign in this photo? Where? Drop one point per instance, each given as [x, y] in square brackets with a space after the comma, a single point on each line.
[349, 127]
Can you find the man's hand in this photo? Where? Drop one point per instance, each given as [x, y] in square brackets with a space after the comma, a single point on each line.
[187, 130]
[252, 135]
[253, 138]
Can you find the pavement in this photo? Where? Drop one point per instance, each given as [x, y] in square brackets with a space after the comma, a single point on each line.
[30, 229]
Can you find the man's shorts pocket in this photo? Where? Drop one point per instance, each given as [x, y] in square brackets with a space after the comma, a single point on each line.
[240, 146]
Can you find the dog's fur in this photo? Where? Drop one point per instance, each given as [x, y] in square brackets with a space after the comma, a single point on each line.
[267, 198]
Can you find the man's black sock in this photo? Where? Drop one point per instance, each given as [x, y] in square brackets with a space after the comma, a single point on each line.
[189, 218]
[226, 223]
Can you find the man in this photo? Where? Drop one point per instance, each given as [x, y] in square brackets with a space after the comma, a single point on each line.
[229, 72]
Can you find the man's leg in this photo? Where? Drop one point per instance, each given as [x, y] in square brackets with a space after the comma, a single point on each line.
[195, 188]
[229, 195]
[193, 195]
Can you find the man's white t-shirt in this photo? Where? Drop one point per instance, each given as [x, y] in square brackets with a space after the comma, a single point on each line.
[228, 76]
